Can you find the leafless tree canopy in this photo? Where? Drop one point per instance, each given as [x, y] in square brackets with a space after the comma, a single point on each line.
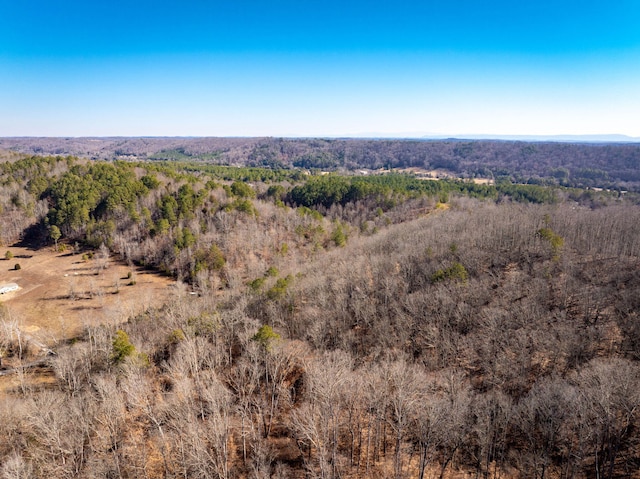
[398, 336]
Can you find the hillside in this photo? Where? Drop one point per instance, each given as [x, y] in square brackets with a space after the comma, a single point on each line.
[326, 326]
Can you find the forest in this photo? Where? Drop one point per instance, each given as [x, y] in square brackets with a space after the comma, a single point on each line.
[332, 325]
[582, 165]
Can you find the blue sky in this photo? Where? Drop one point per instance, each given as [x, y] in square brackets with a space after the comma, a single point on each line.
[310, 68]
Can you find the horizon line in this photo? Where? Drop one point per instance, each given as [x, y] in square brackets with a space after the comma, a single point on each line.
[418, 136]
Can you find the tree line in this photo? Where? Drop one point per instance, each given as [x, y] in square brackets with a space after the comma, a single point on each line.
[605, 165]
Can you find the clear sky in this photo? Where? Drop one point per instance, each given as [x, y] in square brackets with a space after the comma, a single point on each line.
[318, 68]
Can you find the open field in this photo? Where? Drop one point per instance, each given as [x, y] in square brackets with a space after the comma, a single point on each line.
[62, 292]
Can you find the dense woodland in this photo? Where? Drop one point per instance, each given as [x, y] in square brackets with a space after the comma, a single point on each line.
[343, 326]
[605, 165]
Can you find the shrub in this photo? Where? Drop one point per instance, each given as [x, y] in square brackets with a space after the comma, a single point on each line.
[121, 347]
[266, 336]
[211, 259]
[339, 237]
[305, 211]
[244, 206]
[272, 271]
[555, 240]
[256, 284]
[280, 288]
[276, 191]
[176, 336]
[243, 190]
[150, 181]
[8, 255]
[456, 272]
[17, 267]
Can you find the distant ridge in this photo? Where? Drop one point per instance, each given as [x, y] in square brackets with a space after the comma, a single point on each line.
[557, 138]
[602, 161]
[405, 135]
[611, 138]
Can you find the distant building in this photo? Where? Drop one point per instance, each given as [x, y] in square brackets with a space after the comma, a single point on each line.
[7, 288]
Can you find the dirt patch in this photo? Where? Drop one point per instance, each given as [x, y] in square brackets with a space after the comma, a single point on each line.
[60, 292]
[483, 181]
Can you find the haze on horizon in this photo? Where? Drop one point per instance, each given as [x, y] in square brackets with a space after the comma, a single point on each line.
[285, 68]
